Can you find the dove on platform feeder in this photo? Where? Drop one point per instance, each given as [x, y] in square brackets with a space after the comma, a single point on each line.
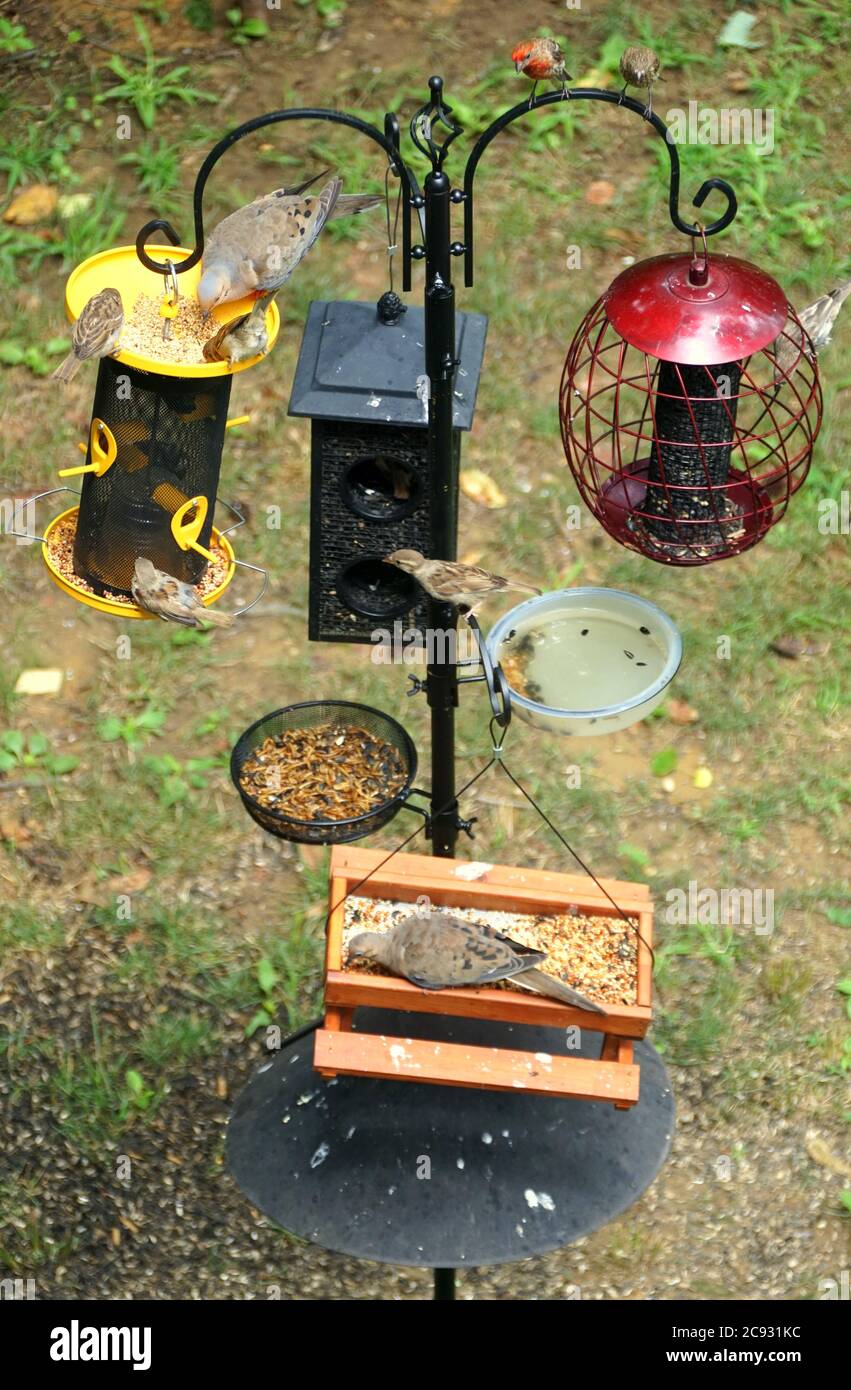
[817, 319]
[437, 951]
[448, 581]
[258, 247]
[96, 332]
[172, 599]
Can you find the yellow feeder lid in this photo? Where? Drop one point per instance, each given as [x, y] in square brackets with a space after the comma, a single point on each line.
[121, 269]
[125, 610]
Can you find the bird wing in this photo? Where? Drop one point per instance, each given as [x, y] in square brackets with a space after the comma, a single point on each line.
[266, 239]
[101, 320]
[441, 952]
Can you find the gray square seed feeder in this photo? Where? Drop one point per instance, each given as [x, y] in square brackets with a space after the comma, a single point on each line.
[361, 380]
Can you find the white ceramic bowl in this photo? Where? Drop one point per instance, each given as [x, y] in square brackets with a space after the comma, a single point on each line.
[618, 654]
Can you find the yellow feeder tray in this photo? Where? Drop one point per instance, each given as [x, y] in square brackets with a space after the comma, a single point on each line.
[121, 269]
[126, 610]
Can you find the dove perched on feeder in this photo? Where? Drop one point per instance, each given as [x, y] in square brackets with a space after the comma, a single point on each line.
[541, 60]
[96, 332]
[172, 599]
[448, 581]
[640, 67]
[257, 248]
[817, 319]
[437, 951]
[244, 337]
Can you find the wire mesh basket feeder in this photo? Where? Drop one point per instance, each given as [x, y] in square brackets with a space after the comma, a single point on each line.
[327, 756]
[689, 407]
[585, 661]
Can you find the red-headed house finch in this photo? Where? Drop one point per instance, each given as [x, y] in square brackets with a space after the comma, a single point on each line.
[541, 60]
[96, 333]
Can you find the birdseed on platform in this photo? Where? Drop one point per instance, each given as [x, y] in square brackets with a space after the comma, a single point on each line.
[143, 331]
[595, 954]
[60, 548]
[329, 773]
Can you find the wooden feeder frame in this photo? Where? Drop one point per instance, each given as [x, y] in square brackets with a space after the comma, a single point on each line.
[613, 1078]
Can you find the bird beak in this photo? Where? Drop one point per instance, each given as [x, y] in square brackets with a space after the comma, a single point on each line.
[518, 65]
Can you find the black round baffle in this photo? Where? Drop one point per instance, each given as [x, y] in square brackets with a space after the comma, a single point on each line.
[440, 1176]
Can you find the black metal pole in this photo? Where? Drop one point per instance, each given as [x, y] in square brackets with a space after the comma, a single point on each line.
[442, 677]
[444, 1285]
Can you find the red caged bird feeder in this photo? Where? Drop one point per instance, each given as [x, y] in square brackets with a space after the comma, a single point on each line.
[690, 403]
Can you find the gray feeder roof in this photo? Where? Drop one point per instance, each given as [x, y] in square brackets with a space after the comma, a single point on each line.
[354, 367]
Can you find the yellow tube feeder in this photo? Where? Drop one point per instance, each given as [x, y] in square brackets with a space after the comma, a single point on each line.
[151, 473]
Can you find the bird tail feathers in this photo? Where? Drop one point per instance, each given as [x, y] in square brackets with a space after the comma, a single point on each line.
[349, 203]
[209, 615]
[67, 369]
[555, 989]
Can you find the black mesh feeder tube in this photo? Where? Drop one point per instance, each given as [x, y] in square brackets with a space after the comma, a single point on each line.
[690, 457]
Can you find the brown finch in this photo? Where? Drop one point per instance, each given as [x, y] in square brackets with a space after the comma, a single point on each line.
[541, 60]
[640, 67]
[257, 248]
[172, 599]
[96, 332]
[437, 951]
[466, 586]
[244, 337]
[817, 320]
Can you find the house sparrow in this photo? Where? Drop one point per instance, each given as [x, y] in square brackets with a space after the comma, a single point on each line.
[172, 599]
[96, 332]
[243, 337]
[258, 247]
[817, 320]
[539, 60]
[640, 67]
[437, 951]
[466, 586]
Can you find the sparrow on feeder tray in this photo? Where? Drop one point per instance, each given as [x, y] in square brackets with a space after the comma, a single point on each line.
[541, 60]
[640, 67]
[96, 333]
[258, 247]
[171, 599]
[437, 951]
[448, 581]
[817, 320]
[243, 338]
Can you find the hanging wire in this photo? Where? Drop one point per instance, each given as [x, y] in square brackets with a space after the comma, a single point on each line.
[392, 248]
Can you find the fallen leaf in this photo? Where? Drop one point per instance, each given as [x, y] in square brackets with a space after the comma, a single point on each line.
[600, 192]
[737, 30]
[482, 489]
[679, 712]
[794, 647]
[72, 203]
[668, 784]
[820, 1153]
[134, 882]
[32, 204]
[14, 832]
[703, 778]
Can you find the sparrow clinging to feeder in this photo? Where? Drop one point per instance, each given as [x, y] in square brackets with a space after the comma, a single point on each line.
[172, 599]
[640, 67]
[96, 332]
[541, 60]
[817, 319]
[437, 951]
[243, 338]
[257, 248]
[448, 581]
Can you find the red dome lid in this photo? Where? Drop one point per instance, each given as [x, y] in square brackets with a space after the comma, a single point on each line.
[699, 310]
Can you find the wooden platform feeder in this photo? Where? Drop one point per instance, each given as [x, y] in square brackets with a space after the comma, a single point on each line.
[613, 1078]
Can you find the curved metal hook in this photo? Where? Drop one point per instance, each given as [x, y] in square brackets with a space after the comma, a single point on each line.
[615, 98]
[498, 691]
[423, 120]
[389, 142]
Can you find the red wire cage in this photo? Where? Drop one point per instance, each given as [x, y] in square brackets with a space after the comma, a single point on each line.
[689, 406]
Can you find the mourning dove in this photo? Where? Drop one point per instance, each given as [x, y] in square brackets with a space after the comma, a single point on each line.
[640, 67]
[243, 337]
[259, 246]
[172, 599]
[96, 332]
[437, 951]
[817, 320]
[451, 582]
